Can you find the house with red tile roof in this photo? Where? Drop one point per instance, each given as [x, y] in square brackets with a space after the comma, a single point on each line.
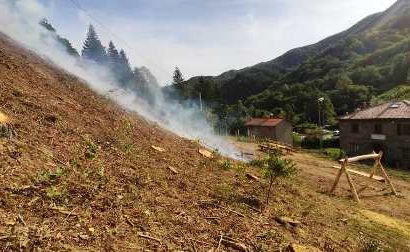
[277, 129]
[385, 127]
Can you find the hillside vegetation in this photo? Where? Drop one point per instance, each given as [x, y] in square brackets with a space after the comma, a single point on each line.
[398, 93]
[347, 69]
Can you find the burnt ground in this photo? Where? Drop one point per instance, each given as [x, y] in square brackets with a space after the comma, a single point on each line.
[79, 173]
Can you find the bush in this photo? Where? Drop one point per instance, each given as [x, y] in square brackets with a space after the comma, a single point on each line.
[334, 153]
[313, 142]
[310, 142]
[302, 128]
[225, 192]
[331, 143]
[297, 140]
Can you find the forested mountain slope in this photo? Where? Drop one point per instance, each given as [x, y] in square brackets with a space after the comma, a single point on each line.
[346, 69]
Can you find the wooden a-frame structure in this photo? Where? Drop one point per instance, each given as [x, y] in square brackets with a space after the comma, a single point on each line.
[376, 167]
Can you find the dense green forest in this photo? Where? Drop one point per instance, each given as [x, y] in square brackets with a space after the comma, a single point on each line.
[367, 63]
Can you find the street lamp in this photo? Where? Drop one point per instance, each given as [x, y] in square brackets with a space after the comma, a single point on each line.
[320, 102]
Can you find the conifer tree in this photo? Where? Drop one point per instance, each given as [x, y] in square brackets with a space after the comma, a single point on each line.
[93, 49]
[125, 72]
[125, 64]
[177, 77]
[112, 54]
[113, 59]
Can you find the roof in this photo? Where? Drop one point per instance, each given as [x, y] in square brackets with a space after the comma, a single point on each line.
[389, 110]
[264, 122]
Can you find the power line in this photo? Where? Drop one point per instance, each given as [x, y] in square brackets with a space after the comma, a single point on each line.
[78, 6]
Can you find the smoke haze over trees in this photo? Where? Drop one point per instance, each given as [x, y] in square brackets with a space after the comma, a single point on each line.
[140, 80]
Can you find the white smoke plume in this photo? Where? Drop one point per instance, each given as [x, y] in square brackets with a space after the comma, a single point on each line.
[19, 20]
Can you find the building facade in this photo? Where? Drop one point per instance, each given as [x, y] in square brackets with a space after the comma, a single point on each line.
[385, 127]
[276, 129]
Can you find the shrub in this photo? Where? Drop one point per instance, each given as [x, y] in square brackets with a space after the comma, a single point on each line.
[334, 153]
[297, 140]
[331, 143]
[310, 142]
[90, 149]
[225, 192]
[226, 165]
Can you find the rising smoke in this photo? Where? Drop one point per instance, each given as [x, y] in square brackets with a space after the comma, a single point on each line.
[19, 20]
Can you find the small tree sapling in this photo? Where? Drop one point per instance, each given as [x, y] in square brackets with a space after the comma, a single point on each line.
[277, 167]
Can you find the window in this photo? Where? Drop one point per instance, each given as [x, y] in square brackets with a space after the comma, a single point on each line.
[355, 128]
[353, 148]
[378, 129]
[403, 129]
[406, 153]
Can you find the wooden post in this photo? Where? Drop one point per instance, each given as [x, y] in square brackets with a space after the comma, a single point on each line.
[342, 169]
[385, 174]
[352, 188]
[375, 166]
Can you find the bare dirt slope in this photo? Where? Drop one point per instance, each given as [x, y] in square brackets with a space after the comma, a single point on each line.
[77, 172]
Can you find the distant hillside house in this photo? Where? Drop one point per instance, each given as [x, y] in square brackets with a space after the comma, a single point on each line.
[277, 129]
[385, 127]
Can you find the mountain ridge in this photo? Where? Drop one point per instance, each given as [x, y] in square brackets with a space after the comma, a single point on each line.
[322, 44]
[347, 69]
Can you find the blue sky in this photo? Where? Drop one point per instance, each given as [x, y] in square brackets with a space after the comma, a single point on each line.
[208, 37]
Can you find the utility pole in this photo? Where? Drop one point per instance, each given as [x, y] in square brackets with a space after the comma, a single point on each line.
[200, 101]
[319, 120]
[320, 102]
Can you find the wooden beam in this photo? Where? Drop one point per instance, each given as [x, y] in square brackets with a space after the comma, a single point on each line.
[352, 188]
[338, 177]
[387, 178]
[364, 174]
[363, 157]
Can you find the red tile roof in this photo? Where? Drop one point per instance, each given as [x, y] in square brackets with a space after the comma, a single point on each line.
[264, 122]
[390, 110]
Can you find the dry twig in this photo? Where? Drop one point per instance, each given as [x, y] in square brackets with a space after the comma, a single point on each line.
[20, 218]
[149, 237]
[219, 243]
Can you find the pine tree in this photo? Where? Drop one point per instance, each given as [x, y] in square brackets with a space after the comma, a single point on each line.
[125, 72]
[93, 49]
[177, 78]
[125, 64]
[113, 59]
